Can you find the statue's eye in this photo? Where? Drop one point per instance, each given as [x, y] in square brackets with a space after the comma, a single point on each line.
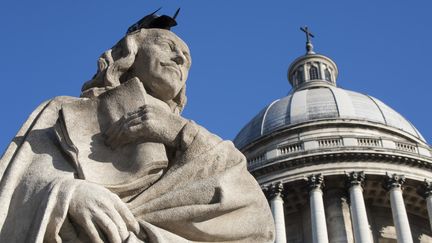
[166, 46]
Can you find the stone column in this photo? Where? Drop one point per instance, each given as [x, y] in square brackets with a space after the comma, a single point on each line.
[362, 232]
[318, 219]
[321, 71]
[276, 205]
[426, 192]
[393, 184]
[338, 218]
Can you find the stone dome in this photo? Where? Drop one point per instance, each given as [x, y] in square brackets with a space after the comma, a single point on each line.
[323, 102]
[315, 96]
[333, 162]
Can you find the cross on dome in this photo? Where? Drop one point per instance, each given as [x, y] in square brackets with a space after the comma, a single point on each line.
[312, 69]
[309, 46]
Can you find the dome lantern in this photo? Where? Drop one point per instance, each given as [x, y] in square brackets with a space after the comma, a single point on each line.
[312, 69]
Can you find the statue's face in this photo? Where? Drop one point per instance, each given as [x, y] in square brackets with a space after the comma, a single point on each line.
[162, 64]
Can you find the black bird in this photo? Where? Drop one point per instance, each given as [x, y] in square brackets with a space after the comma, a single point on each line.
[153, 21]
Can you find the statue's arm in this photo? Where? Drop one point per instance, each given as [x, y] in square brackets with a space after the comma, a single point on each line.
[154, 124]
[150, 123]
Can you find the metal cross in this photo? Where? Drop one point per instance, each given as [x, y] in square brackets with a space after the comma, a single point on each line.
[307, 32]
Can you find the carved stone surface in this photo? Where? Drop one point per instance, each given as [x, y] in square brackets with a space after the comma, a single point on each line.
[425, 189]
[394, 181]
[120, 164]
[355, 178]
[315, 181]
[276, 190]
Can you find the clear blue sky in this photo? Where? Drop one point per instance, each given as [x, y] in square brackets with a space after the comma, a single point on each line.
[240, 51]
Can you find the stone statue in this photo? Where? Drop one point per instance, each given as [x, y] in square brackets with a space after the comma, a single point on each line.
[120, 164]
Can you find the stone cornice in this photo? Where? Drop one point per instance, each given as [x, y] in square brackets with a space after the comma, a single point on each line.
[290, 162]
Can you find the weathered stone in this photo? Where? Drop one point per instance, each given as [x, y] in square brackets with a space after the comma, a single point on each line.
[120, 164]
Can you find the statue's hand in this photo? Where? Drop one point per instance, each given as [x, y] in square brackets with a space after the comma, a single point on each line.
[97, 210]
[149, 123]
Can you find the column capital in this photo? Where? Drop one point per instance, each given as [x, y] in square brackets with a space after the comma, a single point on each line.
[393, 181]
[355, 178]
[425, 189]
[315, 181]
[274, 190]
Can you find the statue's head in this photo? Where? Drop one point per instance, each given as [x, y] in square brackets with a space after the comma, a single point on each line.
[157, 57]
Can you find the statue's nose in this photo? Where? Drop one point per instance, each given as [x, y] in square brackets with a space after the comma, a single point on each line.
[179, 58]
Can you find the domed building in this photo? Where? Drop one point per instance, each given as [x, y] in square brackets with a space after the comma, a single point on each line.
[338, 165]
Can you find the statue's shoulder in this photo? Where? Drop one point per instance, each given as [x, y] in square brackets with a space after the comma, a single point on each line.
[65, 99]
[59, 101]
[54, 104]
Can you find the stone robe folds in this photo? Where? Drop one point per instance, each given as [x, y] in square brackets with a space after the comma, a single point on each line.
[201, 192]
